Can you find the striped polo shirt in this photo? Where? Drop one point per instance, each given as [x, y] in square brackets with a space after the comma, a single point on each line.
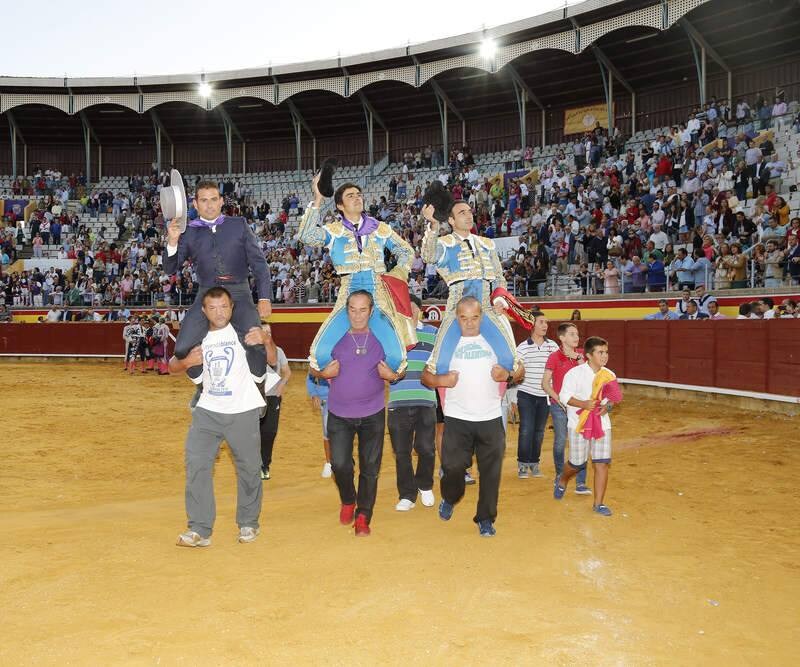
[410, 391]
[534, 357]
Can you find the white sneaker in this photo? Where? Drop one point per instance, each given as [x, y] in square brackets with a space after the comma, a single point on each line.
[427, 497]
[404, 505]
[327, 470]
[192, 539]
[248, 534]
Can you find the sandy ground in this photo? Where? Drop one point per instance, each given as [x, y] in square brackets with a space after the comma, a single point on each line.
[697, 565]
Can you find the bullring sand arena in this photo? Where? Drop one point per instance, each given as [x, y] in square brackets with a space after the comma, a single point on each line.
[697, 566]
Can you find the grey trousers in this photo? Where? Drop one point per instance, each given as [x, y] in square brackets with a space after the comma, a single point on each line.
[205, 436]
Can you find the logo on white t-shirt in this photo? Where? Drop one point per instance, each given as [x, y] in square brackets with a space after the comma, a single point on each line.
[220, 361]
[472, 351]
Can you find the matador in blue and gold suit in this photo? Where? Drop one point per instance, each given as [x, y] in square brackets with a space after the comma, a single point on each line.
[470, 267]
[357, 255]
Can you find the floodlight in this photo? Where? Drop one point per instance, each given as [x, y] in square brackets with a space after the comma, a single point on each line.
[204, 89]
[488, 48]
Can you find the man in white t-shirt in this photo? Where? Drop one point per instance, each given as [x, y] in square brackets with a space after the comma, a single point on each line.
[576, 393]
[228, 409]
[473, 421]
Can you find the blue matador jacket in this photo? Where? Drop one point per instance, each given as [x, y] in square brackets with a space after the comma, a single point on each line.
[362, 268]
[470, 267]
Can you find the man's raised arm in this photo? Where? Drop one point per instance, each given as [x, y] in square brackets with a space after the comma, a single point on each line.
[175, 252]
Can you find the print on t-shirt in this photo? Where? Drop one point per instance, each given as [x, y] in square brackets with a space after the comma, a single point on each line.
[219, 360]
[472, 351]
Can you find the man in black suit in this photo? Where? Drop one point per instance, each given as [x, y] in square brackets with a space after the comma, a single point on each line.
[759, 176]
[223, 250]
[692, 312]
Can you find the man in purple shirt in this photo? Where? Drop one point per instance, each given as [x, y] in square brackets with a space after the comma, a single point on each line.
[357, 406]
[637, 278]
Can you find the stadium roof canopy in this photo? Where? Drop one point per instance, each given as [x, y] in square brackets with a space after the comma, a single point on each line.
[554, 56]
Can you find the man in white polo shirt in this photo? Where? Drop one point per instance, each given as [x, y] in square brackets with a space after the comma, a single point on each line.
[472, 417]
[228, 409]
[531, 398]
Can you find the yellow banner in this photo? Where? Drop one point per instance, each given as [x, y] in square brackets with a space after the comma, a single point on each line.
[584, 119]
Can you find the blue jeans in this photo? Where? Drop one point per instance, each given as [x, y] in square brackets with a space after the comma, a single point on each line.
[559, 416]
[532, 420]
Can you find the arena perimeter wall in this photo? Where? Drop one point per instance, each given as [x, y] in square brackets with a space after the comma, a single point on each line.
[747, 355]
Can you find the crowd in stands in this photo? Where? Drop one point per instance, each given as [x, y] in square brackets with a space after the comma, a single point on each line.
[702, 305]
[595, 218]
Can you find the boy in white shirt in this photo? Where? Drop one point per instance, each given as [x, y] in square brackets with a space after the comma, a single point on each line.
[576, 394]
[228, 409]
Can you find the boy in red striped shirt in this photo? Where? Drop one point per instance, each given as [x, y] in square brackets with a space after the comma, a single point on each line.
[556, 367]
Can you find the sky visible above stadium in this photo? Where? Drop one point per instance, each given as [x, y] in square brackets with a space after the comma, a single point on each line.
[150, 37]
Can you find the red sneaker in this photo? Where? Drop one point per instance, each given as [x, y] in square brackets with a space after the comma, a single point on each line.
[362, 527]
[346, 514]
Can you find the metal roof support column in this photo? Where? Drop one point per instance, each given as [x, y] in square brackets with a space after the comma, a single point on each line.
[445, 103]
[161, 132]
[613, 73]
[522, 109]
[374, 118]
[157, 131]
[519, 84]
[88, 135]
[368, 117]
[706, 48]
[608, 89]
[443, 122]
[544, 128]
[16, 134]
[299, 124]
[230, 130]
[228, 145]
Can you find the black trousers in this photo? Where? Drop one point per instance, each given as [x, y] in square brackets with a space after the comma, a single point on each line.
[342, 432]
[268, 425]
[245, 316]
[413, 427]
[487, 440]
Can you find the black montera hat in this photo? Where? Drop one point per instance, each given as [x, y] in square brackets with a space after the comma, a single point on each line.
[327, 170]
[441, 199]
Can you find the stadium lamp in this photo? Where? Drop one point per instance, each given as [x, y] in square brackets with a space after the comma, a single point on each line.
[488, 48]
[204, 89]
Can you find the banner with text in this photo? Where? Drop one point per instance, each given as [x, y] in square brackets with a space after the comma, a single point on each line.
[583, 119]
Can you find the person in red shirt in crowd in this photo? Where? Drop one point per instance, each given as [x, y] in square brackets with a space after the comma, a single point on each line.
[632, 212]
[102, 254]
[457, 192]
[555, 368]
[664, 167]
[772, 198]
